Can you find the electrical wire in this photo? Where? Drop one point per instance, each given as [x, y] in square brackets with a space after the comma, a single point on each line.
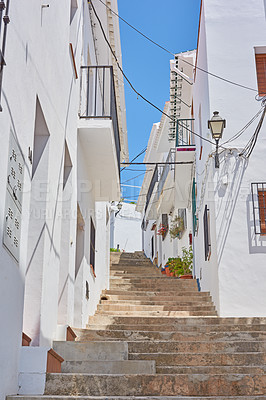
[138, 155]
[131, 85]
[170, 52]
[135, 29]
[131, 179]
[239, 133]
[247, 151]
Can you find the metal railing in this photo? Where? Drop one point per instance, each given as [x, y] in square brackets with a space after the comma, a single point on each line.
[165, 171]
[154, 179]
[97, 97]
[258, 190]
[184, 136]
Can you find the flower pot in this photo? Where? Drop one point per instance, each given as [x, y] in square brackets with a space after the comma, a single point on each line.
[167, 271]
[172, 274]
[163, 272]
[187, 276]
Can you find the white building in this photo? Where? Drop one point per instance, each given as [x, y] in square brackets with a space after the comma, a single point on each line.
[63, 134]
[166, 190]
[125, 225]
[230, 246]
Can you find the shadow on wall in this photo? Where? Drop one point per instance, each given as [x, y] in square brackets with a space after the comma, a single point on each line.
[256, 243]
[228, 193]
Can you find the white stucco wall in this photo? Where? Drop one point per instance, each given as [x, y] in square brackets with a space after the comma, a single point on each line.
[127, 229]
[235, 273]
[39, 69]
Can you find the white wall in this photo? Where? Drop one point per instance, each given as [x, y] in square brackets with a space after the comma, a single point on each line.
[235, 274]
[39, 66]
[127, 229]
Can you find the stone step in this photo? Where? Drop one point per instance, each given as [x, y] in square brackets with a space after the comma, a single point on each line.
[51, 397]
[196, 322]
[167, 327]
[98, 351]
[164, 314]
[153, 279]
[197, 347]
[170, 294]
[105, 306]
[88, 334]
[155, 385]
[256, 370]
[174, 284]
[202, 359]
[109, 367]
[152, 296]
[159, 304]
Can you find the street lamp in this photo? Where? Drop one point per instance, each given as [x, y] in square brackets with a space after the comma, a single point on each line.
[216, 124]
[119, 207]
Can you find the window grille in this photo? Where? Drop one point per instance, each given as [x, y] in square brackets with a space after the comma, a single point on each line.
[165, 223]
[207, 241]
[259, 207]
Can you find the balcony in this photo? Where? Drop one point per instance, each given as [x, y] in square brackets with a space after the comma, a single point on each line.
[99, 132]
[185, 153]
[165, 193]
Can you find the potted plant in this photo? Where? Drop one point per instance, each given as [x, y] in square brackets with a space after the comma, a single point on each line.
[187, 260]
[162, 231]
[182, 267]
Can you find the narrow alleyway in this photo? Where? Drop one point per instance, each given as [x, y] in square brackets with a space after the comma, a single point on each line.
[158, 336]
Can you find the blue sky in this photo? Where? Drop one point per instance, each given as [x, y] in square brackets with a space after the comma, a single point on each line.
[174, 25]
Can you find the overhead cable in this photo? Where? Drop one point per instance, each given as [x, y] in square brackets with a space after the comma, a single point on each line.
[131, 85]
[170, 52]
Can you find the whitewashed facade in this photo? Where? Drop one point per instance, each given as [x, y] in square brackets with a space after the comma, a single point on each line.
[166, 188]
[230, 36]
[59, 171]
[125, 225]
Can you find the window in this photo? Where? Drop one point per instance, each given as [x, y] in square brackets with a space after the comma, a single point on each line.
[261, 73]
[207, 236]
[259, 207]
[92, 246]
[165, 224]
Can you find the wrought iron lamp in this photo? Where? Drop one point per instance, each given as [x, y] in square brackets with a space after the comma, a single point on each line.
[216, 124]
[119, 207]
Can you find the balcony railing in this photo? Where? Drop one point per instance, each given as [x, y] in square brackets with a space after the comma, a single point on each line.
[98, 98]
[184, 136]
[165, 171]
[154, 179]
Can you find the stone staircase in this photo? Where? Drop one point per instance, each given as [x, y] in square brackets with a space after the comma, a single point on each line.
[157, 337]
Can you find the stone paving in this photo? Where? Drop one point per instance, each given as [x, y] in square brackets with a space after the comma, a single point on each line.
[157, 337]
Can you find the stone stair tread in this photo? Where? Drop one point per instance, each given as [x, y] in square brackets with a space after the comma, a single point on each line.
[167, 385]
[47, 397]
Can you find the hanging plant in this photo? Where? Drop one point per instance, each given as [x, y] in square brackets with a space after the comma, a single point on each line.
[163, 229]
[177, 228]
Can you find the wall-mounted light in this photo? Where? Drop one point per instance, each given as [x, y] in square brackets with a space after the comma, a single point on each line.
[216, 124]
[119, 207]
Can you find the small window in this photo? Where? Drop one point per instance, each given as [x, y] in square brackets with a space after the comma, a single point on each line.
[207, 236]
[259, 207]
[261, 73]
[152, 247]
[92, 246]
[165, 225]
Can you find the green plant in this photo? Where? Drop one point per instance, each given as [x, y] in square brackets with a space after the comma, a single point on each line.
[182, 265]
[112, 250]
[177, 227]
[187, 259]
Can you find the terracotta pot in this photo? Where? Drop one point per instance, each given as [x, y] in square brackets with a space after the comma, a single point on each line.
[163, 272]
[172, 274]
[187, 276]
[167, 271]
